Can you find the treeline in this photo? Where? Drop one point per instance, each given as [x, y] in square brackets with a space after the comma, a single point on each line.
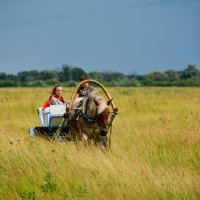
[69, 76]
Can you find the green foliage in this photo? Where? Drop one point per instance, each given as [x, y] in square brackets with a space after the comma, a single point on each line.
[71, 84]
[128, 83]
[110, 76]
[70, 76]
[49, 75]
[155, 76]
[35, 83]
[95, 75]
[80, 190]
[172, 75]
[189, 82]
[72, 73]
[49, 183]
[34, 189]
[8, 83]
[3, 76]
[52, 82]
[31, 195]
[190, 72]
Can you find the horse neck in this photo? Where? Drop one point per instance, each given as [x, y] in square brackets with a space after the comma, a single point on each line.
[91, 108]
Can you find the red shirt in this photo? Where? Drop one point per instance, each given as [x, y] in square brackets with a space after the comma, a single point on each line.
[46, 104]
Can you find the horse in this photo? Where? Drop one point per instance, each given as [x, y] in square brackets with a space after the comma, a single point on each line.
[88, 120]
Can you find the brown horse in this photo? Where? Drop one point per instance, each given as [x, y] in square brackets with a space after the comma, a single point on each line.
[90, 121]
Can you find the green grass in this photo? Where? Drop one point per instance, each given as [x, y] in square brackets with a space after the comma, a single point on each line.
[155, 149]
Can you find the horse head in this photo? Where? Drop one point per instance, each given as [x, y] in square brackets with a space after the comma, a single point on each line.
[102, 115]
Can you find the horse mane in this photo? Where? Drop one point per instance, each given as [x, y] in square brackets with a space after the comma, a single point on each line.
[102, 104]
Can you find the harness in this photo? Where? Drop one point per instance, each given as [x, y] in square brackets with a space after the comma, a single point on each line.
[87, 118]
[81, 111]
[84, 113]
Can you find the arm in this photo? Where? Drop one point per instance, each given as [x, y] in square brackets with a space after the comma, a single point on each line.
[52, 101]
[93, 89]
[76, 96]
[67, 102]
[64, 101]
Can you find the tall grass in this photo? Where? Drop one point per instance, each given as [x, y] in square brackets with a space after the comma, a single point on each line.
[155, 149]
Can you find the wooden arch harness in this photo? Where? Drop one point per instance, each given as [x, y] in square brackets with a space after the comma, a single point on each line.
[69, 109]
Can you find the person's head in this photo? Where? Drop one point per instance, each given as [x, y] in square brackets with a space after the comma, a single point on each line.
[83, 78]
[57, 90]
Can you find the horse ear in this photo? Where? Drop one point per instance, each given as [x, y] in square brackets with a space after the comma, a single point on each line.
[109, 101]
[96, 102]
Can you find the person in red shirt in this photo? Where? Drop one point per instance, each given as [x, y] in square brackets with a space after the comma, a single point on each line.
[56, 97]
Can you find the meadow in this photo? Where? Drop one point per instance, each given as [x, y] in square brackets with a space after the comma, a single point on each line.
[155, 150]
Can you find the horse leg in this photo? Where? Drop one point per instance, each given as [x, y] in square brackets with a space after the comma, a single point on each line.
[104, 140]
[73, 129]
[96, 137]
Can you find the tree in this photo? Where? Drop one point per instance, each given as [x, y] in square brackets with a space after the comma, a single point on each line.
[155, 76]
[66, 70]
[69, 75]
[190, 72]
[96, 76]
[8, 83]
[77, 73]
[110, 76]
[172, 75]
[72, 73]
[22, 76]
[25, 76]
[3, 76]
[49, 74]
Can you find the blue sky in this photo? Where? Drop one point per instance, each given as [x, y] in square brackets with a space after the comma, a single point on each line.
[103, 35]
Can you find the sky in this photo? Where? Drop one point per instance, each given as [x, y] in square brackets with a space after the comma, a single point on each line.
[129, 36]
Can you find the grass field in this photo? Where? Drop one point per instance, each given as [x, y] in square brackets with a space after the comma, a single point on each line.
[155, 151]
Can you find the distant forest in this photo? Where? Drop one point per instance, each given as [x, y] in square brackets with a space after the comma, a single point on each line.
[69, 76]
